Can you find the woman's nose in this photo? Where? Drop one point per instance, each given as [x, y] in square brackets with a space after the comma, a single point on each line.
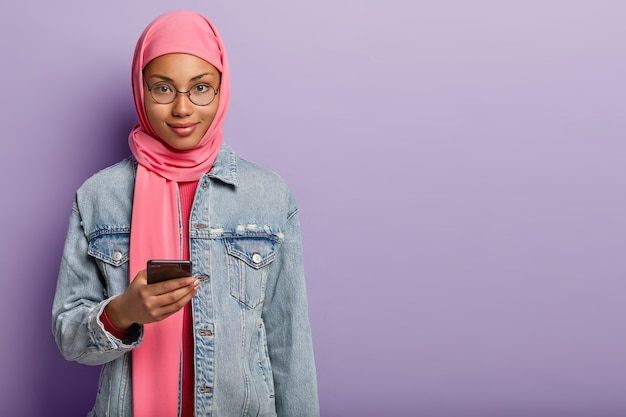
[182, 105]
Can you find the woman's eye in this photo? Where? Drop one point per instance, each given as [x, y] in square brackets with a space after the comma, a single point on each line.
[162, 89]
[201, 88]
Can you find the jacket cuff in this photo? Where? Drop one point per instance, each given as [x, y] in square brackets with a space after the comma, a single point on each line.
[105, 334]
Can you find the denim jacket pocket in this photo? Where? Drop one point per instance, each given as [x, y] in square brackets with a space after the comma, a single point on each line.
[248, 259]
[111, 251]
[110, 247]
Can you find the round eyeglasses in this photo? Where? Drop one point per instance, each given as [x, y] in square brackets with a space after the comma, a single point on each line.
[201, 94]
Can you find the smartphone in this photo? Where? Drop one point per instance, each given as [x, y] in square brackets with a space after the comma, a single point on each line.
[162, 270]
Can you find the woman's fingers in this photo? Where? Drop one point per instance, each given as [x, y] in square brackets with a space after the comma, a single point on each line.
[171, 285]
[168, 297]
[146, 303]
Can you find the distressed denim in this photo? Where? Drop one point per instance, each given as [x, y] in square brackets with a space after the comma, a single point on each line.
[253, 349]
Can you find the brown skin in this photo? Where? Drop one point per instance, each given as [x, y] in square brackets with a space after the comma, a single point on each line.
[147, 303]
[185, 71]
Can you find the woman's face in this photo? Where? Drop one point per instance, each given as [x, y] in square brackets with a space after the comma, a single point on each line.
[181, 124]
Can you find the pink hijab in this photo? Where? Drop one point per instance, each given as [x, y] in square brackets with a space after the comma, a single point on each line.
[155, 231]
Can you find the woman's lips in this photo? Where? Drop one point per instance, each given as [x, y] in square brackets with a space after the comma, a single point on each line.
[183, 129]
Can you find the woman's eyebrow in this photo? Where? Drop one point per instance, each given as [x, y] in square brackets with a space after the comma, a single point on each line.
[197, 77]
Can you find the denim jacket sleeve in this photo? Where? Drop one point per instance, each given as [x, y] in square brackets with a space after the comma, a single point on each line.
[80, 298]
[285, 314]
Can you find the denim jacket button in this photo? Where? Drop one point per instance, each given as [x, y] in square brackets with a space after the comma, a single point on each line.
[117, 255]
[256, 258]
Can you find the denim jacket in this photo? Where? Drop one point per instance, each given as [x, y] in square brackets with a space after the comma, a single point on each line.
[253, 349]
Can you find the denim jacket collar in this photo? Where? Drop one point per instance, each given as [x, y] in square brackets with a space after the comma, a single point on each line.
[225, 166]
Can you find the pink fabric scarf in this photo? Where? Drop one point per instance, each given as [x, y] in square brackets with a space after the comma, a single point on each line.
[155, 231]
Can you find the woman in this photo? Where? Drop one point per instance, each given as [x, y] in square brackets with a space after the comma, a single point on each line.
[234, 339]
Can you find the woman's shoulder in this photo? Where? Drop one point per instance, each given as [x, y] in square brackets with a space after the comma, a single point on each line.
[255, 170]
[105, 199]
[241, 172]
[113, 183]
[246, 180]
[252, 175]
[120, 173]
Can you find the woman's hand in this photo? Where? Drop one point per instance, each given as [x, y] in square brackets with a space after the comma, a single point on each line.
[146, 303]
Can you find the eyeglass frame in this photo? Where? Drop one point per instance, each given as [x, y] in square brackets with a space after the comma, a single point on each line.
[177, 92]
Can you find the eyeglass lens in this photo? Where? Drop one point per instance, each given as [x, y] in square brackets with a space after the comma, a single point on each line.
[201, 94]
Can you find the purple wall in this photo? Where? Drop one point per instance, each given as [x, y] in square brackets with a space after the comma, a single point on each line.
[459, 165]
